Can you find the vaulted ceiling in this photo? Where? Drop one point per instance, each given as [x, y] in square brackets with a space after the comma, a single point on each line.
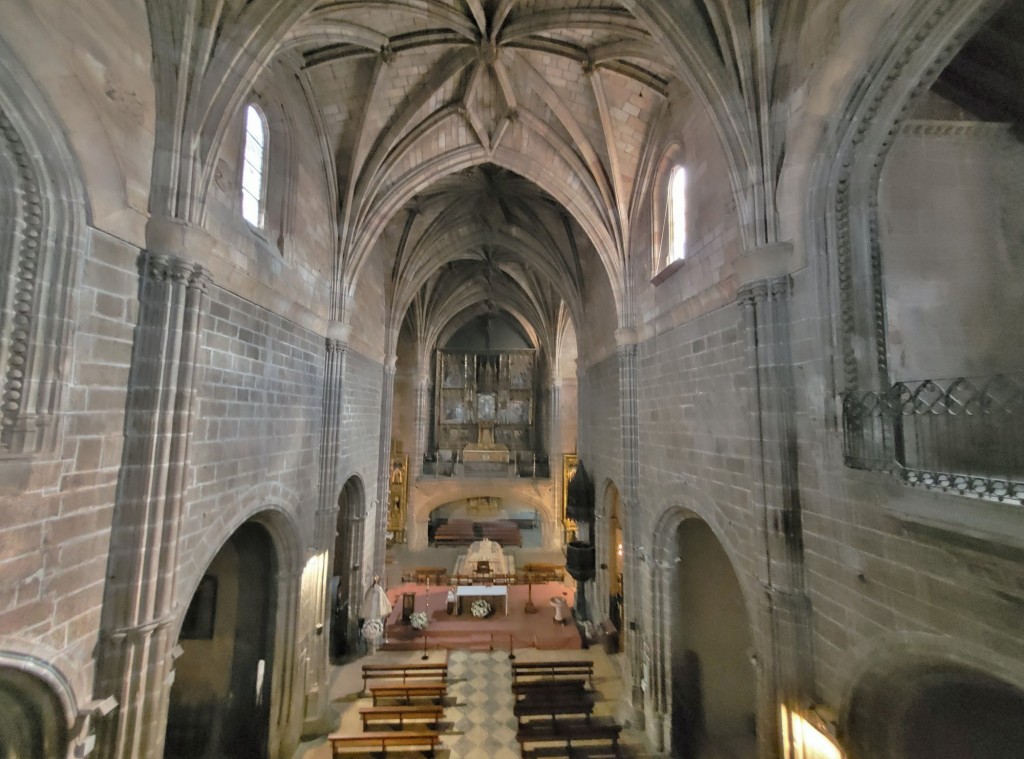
[501, 136]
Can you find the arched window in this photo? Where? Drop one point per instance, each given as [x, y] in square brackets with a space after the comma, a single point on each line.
[254, 165]
[676, 211]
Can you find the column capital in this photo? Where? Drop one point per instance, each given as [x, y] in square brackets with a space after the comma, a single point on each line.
[339, 332]
[390, 362]
[626, 336]
[765, 262]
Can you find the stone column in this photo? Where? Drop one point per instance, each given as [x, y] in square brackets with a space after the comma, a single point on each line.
[785, 650]
[423, 401]
[387, 398]
[135, 639]
[626, 340]
[325, 526]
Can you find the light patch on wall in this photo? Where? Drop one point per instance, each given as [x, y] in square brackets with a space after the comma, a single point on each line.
[802, 740]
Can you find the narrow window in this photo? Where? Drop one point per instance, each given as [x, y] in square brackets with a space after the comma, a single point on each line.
[254, 166]
[677, 216]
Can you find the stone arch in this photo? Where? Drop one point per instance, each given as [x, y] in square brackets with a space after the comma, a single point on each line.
[38, 707]
[458, 490]
[843, 220]
[259, 561]
[43, 225]
[611, 559]
[346, 571]
[662, 721]
[915, 695]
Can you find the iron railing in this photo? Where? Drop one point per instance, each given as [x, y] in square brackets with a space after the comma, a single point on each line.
[964, 435]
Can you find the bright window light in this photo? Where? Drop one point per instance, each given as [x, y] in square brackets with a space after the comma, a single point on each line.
[254, 166]
[677, 215]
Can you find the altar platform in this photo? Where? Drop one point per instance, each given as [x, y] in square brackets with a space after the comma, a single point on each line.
[496, 632]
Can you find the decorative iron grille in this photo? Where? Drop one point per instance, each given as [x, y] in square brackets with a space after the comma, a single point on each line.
[964, 435]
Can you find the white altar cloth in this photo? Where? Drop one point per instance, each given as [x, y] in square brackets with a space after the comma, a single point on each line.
[480, 591]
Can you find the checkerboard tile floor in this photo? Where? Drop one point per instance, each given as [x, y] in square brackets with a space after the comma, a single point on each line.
[480, 710]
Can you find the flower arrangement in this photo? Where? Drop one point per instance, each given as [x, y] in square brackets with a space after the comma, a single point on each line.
[419, 620]
[373, 630]
[480, 608]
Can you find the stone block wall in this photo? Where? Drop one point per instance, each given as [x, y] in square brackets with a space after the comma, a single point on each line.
[360, 441]
[256, 434]
[58, 505]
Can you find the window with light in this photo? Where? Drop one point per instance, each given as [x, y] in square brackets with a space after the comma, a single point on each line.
[676, 216]
[254, 166]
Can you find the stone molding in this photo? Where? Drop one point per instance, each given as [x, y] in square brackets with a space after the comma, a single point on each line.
[969, 130]
[876, 122]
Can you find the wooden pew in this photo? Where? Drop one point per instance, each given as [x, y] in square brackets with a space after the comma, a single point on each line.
[552, 669]
[429, 714]
[406, 692]
[571, 734]
[553, 707]
[409, 740]
[406, 672]
[541, 572]
[565, 687]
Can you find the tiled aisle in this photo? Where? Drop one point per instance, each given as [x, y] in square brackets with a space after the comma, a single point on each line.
[479, 687]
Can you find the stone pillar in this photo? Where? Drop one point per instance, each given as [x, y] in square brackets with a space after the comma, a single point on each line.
[139, 604]
[380, 521]
[325, 526]
[626, 340]
[419, 448]
[785, 650]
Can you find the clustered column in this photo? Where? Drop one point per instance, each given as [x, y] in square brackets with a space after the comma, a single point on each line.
[336, 352]
[135, 657]
[630, 495]
[787, 639]
[387, 398]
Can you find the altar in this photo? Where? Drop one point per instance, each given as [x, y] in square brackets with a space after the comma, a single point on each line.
[480, 591]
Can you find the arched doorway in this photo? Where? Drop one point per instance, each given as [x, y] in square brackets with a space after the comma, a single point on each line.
[712, 681]
[31, 718]
[936, 711]
[347, 543]
[220, 699]
[613, 554]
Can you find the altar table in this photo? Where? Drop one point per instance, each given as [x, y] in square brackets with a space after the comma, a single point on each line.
[481, 590]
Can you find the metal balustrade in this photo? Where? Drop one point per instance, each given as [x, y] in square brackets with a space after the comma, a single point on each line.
[963, 435]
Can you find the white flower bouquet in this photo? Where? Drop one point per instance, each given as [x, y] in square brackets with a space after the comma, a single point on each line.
[373, 630]
[419, 620]
[480, 608]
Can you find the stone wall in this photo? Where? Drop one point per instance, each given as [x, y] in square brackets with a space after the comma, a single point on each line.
[257, 430]
[57, 507]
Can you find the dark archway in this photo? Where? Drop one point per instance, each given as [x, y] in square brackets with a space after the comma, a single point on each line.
[31, 718]
[347, 544]
[220, 699]
[713, 683]
[936, 710]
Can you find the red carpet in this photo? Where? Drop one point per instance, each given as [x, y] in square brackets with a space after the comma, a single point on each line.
[496, 632]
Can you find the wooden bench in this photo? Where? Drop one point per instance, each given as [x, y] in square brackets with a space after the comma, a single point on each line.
[409, 740]
[551, 669]
[565, 732]
[540, 572]
[429, 714]
[406, 672]
[573, 752]
[553, 707]
[406, 692]
[562, 687]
